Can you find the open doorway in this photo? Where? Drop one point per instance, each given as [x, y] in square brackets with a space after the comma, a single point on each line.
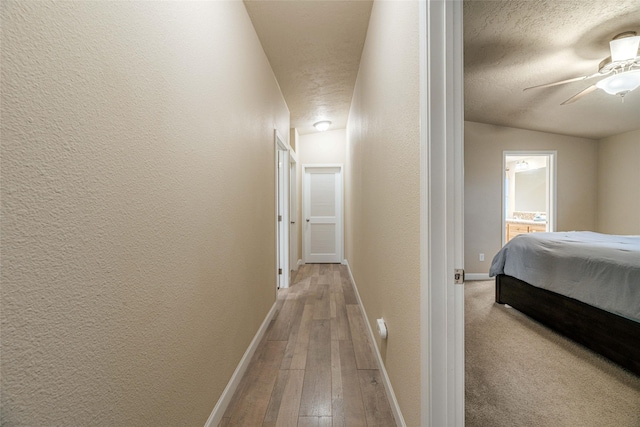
[528, 193]
[293, 213]
[282, 212]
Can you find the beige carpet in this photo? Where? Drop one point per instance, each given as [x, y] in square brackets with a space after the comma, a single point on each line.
[520, 373]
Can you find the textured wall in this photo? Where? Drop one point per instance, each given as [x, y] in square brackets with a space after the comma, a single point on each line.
[576, 184]
[138, 254]
[619, 184]
[323, 147]
[383, 192]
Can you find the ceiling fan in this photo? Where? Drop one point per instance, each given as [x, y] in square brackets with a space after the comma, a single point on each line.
[624, 63]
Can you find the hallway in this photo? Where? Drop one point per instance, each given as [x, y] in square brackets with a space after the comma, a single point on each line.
[315, 366]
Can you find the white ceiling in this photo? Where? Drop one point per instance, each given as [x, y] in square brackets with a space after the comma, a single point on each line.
[511, 45]
[314, 48]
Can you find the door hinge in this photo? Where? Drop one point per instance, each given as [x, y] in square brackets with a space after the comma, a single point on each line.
[279, 271]
[458, 276]
[279, 218]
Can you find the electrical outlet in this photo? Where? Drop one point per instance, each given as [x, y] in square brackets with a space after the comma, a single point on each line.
[481, 257]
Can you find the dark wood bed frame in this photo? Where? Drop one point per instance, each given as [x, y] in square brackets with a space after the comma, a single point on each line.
[615, 337]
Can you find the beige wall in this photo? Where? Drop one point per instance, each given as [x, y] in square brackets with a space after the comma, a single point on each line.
[383, 192]
[619, 184]
[323, 147]
[577, 162]
[293, 139]
[320, 147]
[127, 224]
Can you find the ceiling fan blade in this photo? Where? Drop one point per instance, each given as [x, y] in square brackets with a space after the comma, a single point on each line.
[575, 79]
[579, 95]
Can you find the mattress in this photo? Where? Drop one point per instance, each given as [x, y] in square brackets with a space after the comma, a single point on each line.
[598, 269]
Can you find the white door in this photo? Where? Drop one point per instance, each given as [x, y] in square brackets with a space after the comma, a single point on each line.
[293, 214]
[282, 212]
[281, 226]
[322, 213]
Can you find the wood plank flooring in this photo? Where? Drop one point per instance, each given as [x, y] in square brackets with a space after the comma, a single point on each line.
[316, 365]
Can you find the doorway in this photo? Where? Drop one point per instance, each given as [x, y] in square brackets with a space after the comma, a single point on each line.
[282, 212]
[293, 212]
[322, 212]
[528, 193]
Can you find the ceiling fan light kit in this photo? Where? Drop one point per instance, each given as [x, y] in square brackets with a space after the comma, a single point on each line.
[620, 84]
[624, 63]
[624, 47]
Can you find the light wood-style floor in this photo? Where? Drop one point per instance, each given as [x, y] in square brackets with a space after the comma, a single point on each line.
[315, 365]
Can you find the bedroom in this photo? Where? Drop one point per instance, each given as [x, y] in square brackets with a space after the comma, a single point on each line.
[510, 46]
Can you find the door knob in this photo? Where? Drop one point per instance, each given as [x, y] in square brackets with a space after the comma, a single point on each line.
[307, 219]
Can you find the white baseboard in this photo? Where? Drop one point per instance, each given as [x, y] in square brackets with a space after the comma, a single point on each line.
[393, 401]
[476, 276]
[232, 385]
[300, 262]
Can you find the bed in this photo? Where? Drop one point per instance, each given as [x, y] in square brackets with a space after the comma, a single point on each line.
[584, 285]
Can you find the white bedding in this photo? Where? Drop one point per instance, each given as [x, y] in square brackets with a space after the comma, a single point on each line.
[598, 269]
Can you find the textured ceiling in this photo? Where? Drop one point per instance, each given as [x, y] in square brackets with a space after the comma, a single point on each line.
[511, 45]
[314, 48]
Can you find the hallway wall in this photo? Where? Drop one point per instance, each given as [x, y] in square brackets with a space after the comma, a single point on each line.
[138, 237]
[382, 192]
[323, 147]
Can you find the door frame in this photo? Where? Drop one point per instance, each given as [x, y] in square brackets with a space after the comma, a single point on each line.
[282, 194]
[294, 212]
[341, 207]
[442, 212]
[552, 186]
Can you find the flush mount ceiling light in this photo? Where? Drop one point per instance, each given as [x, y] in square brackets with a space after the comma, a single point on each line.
[323, 125]
[522, 166]
[624, 63]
